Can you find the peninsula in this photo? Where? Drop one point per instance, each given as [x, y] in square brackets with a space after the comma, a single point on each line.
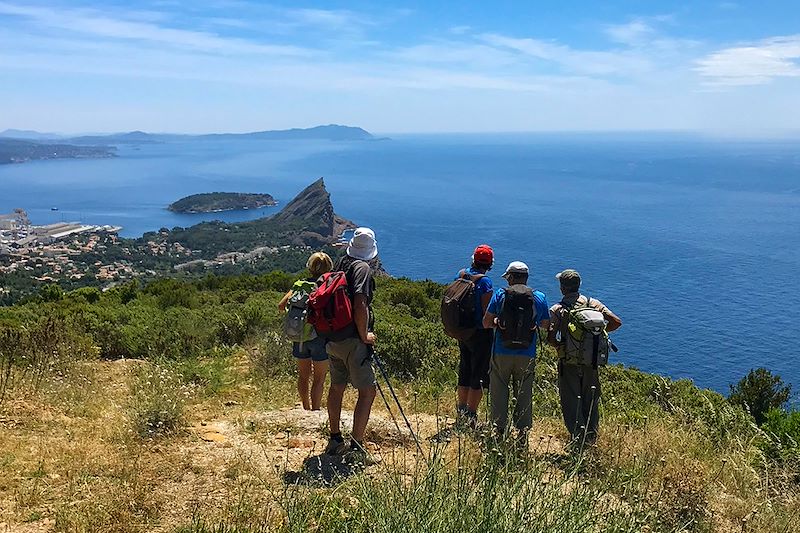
[215, 202]
[21, 151]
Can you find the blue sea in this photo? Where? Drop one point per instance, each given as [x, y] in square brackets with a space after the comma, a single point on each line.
[693, 242]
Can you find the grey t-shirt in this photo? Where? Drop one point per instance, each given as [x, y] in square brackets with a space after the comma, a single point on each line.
[359, 280]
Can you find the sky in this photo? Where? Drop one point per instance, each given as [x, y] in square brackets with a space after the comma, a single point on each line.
[720, 67]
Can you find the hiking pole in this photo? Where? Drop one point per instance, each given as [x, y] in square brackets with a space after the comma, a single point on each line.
[388, 408]
[399, 405]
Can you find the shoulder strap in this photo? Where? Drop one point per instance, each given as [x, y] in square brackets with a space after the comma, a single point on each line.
[474, 278]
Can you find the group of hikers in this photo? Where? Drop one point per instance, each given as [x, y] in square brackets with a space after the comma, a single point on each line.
[330, 320]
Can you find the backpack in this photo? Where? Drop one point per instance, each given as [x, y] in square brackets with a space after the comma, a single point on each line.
[583, 335]
[458, 306]
[295, 323]
[517, 318]
[330, 309]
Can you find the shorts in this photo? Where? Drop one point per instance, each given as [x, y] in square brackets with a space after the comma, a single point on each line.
[351, 362]
[313, 349]
[473, 367]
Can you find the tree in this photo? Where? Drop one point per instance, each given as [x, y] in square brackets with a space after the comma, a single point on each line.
[759, 391]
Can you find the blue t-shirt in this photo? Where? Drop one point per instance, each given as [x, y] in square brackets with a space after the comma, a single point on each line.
[542, 313]
[483, 286]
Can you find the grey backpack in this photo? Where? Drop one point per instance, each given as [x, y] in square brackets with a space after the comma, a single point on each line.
[584, 339]
[295, 323]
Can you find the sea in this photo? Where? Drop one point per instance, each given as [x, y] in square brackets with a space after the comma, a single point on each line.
[693, 241]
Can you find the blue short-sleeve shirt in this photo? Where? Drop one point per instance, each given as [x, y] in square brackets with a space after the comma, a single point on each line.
[483, 286]
[542, 313]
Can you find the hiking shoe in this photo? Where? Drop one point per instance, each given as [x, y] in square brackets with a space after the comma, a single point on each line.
[336, 447]
[357, 455]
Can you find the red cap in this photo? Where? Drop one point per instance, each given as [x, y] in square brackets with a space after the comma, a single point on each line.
[483, 255]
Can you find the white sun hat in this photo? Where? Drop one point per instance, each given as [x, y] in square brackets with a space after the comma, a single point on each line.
[363, 245]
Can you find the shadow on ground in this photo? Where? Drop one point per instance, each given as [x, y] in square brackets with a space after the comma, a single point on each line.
[322, 471]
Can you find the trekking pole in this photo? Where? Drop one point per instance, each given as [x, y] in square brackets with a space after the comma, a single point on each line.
[388, 408]
[399, 405]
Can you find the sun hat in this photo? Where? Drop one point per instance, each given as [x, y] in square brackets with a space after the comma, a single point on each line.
[483, 255]
[363, 245]
[516, 267]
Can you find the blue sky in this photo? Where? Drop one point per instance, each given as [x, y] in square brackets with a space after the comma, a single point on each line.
[723, 67]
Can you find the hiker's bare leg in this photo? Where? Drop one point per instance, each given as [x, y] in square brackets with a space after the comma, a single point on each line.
[335, 394]
[318, 372]
[303, 376]
[474, 399]
[361, 414]
[461, 395]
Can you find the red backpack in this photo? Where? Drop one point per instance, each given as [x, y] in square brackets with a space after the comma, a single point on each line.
[330, 309]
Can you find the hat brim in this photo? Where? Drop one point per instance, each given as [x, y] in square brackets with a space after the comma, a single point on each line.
[364, 254]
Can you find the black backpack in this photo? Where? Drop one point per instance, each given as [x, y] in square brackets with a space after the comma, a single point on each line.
[517, 318]
[458, 306]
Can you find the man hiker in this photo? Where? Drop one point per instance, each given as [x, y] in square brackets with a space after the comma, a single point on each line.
[473, 367]
[351, 358]
[312, 359]
[515, 312]
[582, 348]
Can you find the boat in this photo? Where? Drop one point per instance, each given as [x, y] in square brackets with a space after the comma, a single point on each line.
[53, 209]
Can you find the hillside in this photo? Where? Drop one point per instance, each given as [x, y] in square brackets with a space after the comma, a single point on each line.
[171, 407]
[21, 151]
[262, 245]
[214, 202]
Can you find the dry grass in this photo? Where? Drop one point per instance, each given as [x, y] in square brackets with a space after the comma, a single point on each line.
[72, 460]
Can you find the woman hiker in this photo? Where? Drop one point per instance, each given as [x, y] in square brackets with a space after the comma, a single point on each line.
[312, 359]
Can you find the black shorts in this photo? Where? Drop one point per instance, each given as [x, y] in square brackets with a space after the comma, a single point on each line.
[473, 368]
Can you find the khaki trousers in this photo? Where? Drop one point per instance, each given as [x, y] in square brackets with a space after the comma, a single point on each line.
[511, 377]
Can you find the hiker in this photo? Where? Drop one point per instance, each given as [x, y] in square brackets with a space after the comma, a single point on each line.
[351, 356]
[476, 349]
[514, 312]
[579, 327]
[307, 347]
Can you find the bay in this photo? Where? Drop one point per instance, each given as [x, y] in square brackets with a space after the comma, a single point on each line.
[693, 241]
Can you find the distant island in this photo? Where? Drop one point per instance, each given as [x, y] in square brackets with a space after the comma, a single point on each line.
[214, 202]
[21, 151]
[330, 132]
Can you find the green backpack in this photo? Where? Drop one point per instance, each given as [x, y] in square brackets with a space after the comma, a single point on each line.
[584, 339]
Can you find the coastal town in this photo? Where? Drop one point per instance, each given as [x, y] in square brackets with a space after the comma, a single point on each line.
[50, 253]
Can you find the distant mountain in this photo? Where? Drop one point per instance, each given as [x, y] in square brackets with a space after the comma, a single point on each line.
[214, 202]
[29, 135]
[331, 132]
[20, 151]
[132, 137]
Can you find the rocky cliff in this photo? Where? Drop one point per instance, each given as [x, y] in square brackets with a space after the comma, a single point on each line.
[312, 211]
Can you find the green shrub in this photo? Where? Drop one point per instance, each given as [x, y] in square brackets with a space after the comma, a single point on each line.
[51, 293]
[782, 429]
[759, 392]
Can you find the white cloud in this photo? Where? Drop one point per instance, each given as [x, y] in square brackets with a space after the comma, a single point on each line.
[584, 62]
[91, 24]
[754, 64]
[633, 33]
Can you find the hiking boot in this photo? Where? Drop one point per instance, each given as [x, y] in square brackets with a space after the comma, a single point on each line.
[357, 455]
[336, 446]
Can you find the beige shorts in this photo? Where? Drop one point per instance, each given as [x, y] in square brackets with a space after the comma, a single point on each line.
[349, 363]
